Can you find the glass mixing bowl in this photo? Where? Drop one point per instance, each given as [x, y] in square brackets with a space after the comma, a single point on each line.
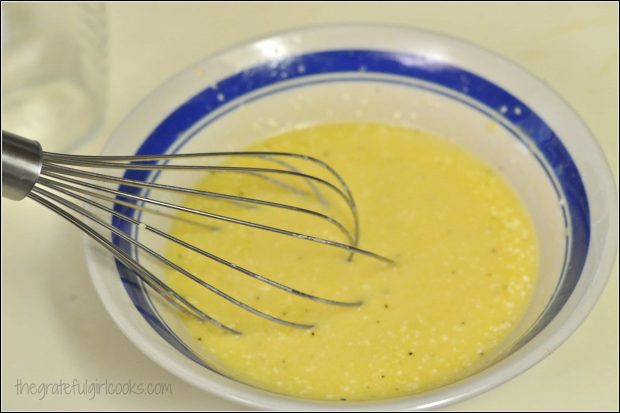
[398, 76]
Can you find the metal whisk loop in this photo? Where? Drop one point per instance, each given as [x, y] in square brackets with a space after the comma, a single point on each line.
[116, 162]
[55, 171]
[50, 184]
[62, 182]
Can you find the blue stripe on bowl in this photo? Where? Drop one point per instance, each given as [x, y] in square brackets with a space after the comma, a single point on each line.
[406, 66]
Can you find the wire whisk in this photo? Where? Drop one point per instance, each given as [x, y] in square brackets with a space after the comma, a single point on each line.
[102, 204]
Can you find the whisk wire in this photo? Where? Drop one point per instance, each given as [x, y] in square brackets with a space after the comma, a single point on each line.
[201, 251]
[54, 171]
[171, 296]
[225, 218]
[166, 261]
[136, 159]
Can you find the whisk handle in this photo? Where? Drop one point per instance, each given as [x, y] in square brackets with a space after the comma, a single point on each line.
[21, 165]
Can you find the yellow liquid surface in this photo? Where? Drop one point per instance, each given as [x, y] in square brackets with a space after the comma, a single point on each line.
[465, 249]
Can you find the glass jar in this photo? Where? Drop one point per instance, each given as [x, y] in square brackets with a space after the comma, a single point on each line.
[54, 71]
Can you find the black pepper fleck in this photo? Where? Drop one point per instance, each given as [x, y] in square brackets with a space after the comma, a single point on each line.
[342, 399]
[386, 306]
[312, 333]
[410, 353]
[382, 376]
[199, 338]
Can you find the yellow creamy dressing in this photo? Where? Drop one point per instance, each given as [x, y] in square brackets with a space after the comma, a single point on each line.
[466, 258]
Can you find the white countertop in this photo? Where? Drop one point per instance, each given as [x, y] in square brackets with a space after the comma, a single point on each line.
[53, 324]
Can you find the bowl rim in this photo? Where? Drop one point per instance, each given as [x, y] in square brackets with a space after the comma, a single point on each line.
[259, 398]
